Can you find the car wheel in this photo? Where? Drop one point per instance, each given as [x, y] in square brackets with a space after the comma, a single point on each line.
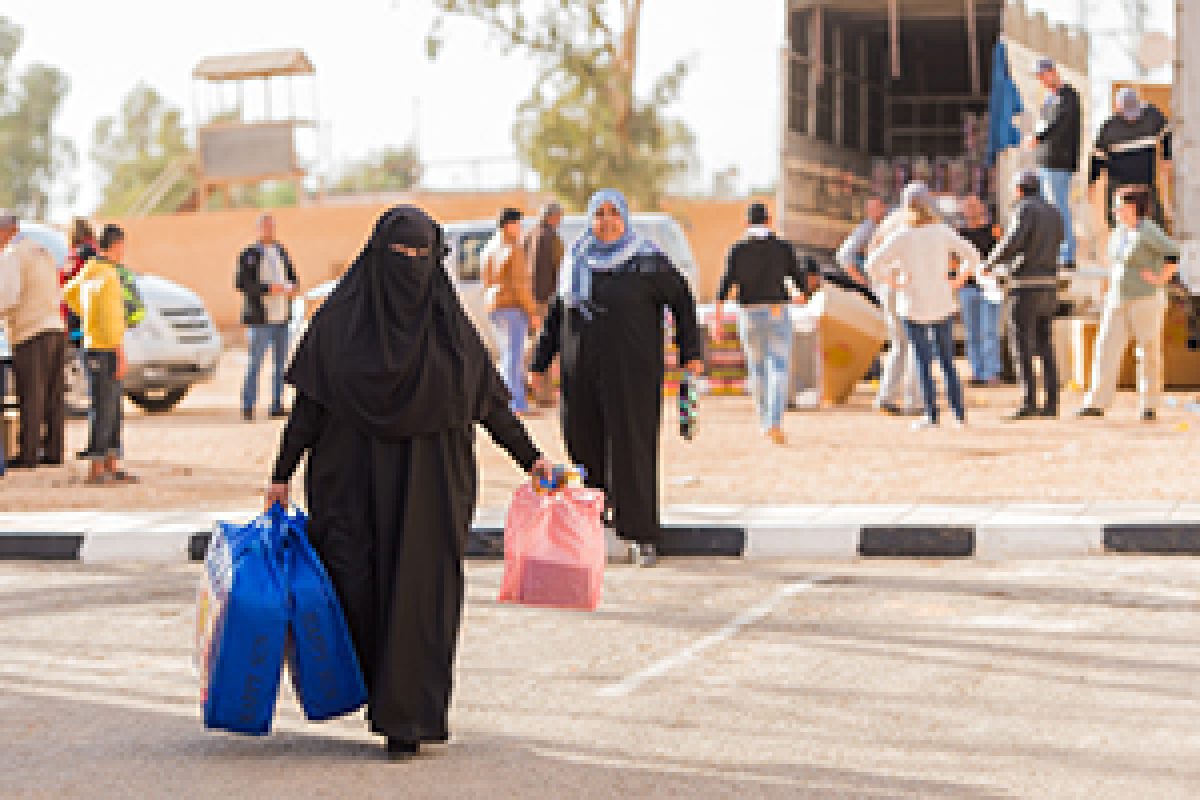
[158, 401]
[78, 398]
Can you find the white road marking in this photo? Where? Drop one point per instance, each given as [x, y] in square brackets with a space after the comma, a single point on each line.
[727, 631]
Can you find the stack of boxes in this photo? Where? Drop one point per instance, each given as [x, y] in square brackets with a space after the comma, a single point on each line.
[725, 364]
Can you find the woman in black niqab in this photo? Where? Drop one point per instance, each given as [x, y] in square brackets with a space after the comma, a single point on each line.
[391, 379]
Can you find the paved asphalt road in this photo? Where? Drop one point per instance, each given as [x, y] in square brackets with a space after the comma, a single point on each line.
[698, 679]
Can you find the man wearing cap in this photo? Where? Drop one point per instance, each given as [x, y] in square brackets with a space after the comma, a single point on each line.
[1034, 236]
[1127, 148]
[1056, 142]
[544, 251]
[760, 266]
[30, 308]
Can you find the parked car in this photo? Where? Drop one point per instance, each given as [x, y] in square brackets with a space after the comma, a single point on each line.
[467, 240]
[175, 347]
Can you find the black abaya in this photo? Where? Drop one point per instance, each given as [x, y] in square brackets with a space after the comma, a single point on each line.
[390, 522]
[612, 375]
[391, 379]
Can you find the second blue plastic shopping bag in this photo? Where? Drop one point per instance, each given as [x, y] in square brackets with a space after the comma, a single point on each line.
[324, 667]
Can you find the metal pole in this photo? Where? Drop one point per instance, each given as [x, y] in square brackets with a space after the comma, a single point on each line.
[973, 48]
[894, 34]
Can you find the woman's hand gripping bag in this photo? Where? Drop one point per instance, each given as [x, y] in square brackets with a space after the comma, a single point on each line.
[321, 658]
[554, 550]
[241, 627]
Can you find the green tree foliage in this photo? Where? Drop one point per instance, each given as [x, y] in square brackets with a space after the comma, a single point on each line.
[583, 127]
[134, 148]
[392, 169]
[32, 159]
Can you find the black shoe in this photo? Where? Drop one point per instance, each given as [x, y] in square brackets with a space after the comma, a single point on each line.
[1149, 415]
[50, 462]
[247, 416]
[1049, 413]
[977, 383]
[890, 409]
[278, 413]
[402, 749]
[20, 463]
[1024, 413]
[1090, 411]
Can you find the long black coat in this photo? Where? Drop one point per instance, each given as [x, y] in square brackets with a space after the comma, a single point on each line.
[612, 376]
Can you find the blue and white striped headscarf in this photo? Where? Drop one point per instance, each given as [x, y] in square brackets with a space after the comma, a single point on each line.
[588, 254]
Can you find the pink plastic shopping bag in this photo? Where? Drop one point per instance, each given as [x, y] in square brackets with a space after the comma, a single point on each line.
[554, 550]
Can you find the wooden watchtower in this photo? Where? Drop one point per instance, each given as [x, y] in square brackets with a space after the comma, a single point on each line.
[235, 146]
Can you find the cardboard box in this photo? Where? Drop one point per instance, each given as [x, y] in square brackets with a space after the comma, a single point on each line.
[850, 334]
[1181, 362]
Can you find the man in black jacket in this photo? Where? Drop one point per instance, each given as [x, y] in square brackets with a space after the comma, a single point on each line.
[1057, 143]
[760, 267]
[267, 281]
[1031, 245]
[1128, 147]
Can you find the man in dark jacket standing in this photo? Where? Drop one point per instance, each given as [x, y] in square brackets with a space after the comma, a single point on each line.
[267, 281]
[1057, 143]
[760, 267]
[1128, 148]
[1034, 236]
[544, 252]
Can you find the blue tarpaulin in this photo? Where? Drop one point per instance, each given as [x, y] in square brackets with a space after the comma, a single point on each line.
[1004, 104]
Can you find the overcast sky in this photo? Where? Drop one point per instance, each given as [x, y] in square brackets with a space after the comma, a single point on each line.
[372, 71]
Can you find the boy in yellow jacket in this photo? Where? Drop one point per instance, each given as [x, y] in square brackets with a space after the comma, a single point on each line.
[95, 294]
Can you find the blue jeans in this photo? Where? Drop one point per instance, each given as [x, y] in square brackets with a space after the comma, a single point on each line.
[930, 340]
[105, 414]
[274, 336]
[767, 342]
[981, 318]
[1056, 188]
[512, 328]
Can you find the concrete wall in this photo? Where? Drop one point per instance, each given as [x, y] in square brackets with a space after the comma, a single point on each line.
[199, 250]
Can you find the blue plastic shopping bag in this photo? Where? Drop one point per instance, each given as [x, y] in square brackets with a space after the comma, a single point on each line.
[242, 622]
[321, 658]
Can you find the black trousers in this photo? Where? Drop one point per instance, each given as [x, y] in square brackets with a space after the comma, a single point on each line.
[1031, 334]
[40, 381]
[105, 416]
[613, 432]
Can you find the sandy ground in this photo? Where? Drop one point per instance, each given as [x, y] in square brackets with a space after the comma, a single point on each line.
[203, 456]
[696, 680]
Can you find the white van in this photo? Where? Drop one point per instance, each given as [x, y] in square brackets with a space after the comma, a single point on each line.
[467, 239]
[175, 347]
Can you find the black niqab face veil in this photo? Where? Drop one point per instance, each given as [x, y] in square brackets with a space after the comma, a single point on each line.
[391, 350]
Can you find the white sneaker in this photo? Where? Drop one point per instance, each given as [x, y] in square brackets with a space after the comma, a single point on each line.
[958, 424]
[923, 424]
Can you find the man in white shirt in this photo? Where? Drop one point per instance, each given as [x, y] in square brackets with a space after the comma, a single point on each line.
[31, 310]
[267, 281]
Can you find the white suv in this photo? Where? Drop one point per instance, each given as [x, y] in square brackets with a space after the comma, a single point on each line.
[467, 239]
[175, 347]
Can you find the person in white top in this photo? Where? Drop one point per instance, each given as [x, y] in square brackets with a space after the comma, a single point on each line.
[917, 263]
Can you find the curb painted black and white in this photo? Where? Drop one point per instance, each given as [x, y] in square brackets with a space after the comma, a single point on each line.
[799, 532]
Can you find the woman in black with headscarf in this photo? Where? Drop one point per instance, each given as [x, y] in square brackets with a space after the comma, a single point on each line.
[607, 326]
[390, 380]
